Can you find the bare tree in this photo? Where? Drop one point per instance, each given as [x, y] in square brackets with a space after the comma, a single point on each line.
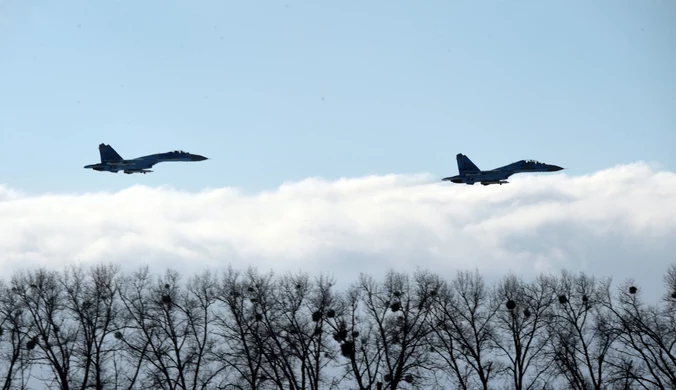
[238, 324]
[96, 328]
[296, 346]
[581, 332]
[398, 310]
[670, 284]
[464, 326]
[322, 303]
[360, 343]
[41, 296]
[198, 305]
[647, 338]
[168, 328]
[521, 329]
[13, 336]
[91, 302]
[275, 329]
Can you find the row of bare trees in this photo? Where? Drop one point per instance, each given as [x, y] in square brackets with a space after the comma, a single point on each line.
[98, 328]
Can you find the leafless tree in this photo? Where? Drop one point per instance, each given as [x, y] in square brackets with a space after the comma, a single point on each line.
[581, 332]
[238, 324]
[275, 329]
[647, 338]
[168, 327]
[52, 337]
[359, 341]
[297, 347]
[92, 306]
[13, 336]
[394, 316]
[93, 327]
[464, 326]
[199, 306]
[521, 333]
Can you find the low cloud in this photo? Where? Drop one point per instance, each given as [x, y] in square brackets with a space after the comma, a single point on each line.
[618, 222]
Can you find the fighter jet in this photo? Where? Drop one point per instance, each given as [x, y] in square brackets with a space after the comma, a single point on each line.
[470, 173]
[113, 162]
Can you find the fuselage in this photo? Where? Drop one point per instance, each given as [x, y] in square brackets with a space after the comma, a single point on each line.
[143, 163]
[499, 175]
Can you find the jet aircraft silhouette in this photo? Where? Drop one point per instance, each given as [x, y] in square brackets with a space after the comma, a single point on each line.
[111, 161]
[470, 173]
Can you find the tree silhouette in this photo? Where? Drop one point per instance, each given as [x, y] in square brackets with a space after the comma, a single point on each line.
[523, 312]
[394, 316]
[580, 331]
[96, 327]
[464, 325]
[14, 327]
[647, 338]
[242, 350]
[51, 336]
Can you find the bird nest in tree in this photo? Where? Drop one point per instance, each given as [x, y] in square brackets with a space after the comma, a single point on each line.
[340, 335]
[347, 349]
[30, 345]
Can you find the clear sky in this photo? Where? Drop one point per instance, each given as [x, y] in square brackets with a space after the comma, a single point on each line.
[273, 91]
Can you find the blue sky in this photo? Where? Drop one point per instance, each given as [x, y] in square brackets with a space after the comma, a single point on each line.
[284, 90]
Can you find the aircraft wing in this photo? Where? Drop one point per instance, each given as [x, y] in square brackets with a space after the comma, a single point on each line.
[142, 163]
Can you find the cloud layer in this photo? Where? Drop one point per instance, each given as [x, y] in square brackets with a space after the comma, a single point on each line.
[619, 222]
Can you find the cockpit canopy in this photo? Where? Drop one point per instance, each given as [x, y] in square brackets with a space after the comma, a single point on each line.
[179, 152]
[532, 162]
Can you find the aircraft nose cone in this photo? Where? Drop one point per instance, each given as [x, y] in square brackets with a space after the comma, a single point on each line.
[554, 168]
[197, 157]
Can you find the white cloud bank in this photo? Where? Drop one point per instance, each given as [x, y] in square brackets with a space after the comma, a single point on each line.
[619, 222]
